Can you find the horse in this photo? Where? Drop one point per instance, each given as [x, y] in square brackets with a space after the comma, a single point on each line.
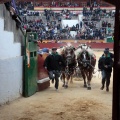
[68, 55]
[86, 60]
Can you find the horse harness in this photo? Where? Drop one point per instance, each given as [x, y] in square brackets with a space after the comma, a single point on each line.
[70, 62]
[86, 63]
[69, 69]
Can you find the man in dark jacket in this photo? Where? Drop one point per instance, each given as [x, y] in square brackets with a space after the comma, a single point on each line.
[105, 64]
[53, 64]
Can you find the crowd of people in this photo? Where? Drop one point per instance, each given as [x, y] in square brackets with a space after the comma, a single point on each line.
[49, 27]
[91, 17]
[61, 3]
[58, 4]
[31, 5]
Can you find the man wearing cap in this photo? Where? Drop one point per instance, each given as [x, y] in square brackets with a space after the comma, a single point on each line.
[105, 64]
[53, 64]
[110, 54]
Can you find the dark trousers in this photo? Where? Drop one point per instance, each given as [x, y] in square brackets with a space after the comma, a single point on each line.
[55, 74]
[106, 78]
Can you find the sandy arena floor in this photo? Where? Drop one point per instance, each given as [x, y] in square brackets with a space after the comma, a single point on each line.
[73, 103]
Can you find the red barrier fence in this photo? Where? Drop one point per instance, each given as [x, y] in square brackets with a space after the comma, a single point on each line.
[93, 45]
[43, 80]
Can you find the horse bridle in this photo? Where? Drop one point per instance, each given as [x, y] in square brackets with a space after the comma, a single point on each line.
[69, 70]
[84, 61]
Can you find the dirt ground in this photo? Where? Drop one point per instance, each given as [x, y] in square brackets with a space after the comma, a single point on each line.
[73, 103]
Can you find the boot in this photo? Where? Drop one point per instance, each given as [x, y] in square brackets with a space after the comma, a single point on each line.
[107, 89]
[52, 81]
[102, 87]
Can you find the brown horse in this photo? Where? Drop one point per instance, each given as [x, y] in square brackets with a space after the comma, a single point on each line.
[86, 62]
[67, 72]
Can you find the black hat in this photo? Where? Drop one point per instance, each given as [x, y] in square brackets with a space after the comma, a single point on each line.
[107, 49]
[54, 48]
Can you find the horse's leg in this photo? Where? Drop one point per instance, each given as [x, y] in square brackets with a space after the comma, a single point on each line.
[89, 77]
[67, 79]
[71, 81]
[63, 77]
[84, 78]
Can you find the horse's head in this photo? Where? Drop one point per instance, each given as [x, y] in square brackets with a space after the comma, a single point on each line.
[84, 58]
[69, 54]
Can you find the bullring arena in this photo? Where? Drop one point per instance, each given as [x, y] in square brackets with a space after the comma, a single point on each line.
[73, 103]
[26, 92]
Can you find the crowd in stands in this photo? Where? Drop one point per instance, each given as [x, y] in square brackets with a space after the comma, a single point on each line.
[25, 5]
[59, 3]
[28, 13]
[90, 18]
[48, 25]
[63, 3]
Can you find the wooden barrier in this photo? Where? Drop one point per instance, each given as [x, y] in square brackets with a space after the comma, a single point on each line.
[43, 80]
[92, 44]
[79, 41]
[69, 8]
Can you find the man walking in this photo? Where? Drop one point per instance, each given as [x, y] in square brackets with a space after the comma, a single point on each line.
[53, 64]
[105, 64]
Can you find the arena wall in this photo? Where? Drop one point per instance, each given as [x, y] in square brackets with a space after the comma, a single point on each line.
[77, 9]
[11, 65]
[94, 45]
[10, 79]
[10, 24]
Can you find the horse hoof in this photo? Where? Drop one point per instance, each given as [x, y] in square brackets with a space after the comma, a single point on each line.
[85, 86]
[66, 86]
[63, 85]
[71, 82]
[89, 88]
